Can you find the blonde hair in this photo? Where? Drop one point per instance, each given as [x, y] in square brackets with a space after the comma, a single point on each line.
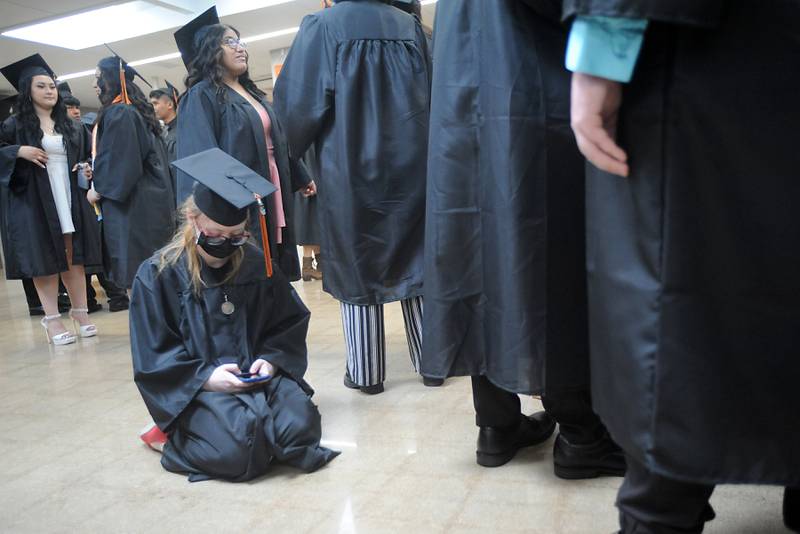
[185, 241]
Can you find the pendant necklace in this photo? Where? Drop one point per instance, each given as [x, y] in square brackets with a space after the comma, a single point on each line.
[227, 307]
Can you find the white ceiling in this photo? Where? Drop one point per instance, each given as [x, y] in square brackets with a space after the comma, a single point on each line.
[18, 13]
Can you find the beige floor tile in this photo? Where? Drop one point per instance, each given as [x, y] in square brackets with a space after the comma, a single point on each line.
[70, 459]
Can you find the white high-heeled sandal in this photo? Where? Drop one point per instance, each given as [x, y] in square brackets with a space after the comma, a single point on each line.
[64, 338]
[88, 330]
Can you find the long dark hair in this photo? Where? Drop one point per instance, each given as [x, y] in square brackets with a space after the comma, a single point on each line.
[207, 64]
[110, 88]
[26, 115]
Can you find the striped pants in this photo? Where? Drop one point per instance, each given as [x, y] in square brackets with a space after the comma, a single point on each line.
[366, 342]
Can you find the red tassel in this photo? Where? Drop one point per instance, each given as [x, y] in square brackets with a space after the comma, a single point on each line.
[262, 219]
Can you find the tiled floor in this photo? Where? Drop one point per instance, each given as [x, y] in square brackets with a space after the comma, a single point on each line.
[70, 460]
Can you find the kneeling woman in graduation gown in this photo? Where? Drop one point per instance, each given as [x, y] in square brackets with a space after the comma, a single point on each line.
[204, 310]
[223, 108]
[131, 174]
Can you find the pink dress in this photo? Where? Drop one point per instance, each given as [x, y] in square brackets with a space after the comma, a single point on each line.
[275, 199]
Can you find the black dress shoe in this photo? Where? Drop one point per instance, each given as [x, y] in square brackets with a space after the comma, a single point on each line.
[369, 390]
[94, 306]
[498, 445]
[432, 382]
[35, 311]
[118, 305]
[601, 458]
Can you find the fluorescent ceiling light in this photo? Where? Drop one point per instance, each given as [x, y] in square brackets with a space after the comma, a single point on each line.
[125, 21]
[176, 55]
[104, 25]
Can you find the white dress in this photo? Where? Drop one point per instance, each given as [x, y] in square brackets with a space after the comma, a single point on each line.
[58, 171]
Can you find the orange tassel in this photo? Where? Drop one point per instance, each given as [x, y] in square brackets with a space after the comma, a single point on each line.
[122, 98]
[262, 219]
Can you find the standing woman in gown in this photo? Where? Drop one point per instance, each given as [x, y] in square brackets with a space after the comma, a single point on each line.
[131, 175]
[47, 226]
[223, 108]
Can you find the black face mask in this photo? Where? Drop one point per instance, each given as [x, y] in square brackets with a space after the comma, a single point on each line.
[218, 247]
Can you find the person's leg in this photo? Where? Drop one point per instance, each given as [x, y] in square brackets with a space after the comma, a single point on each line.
[494, 407]
[75, 281]
[412, 318]
[215, 437]
[366, 346]
[117, 297]
[47, 289]
[503, 428]
[296, 426]
[309, 273]
[791, 509]
[583, 448]
[653, 504]
[91, 296]
[34, 304]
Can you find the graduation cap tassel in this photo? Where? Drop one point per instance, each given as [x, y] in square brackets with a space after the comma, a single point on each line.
[262, 219]
[123, 85]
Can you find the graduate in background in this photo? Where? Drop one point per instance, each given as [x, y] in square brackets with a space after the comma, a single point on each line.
[688, 112]
[165, 105]
[356, 84]
[223, 108]
[48, 228]
[204, 310]
[131, 178]
[117, 296]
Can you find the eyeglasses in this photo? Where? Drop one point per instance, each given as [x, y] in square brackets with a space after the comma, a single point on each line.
[235, 240]
[233, 44]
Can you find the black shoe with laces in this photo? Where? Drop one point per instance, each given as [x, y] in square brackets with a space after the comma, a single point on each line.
[575, 461]
[498, 445]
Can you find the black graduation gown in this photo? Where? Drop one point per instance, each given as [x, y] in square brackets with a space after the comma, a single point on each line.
[130, 173]
[207, 120]
[33, 243]
[170, 144]
[178, 338]
[306, 209]
[356, 83]
[694, 263]
[505, 289]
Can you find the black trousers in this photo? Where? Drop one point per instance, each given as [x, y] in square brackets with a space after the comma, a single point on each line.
[652, 504]
[577, 422]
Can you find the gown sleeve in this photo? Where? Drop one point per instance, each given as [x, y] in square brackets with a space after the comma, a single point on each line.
[197, 127]
[283, 343]
[167, 376]
[304, 91]
[8, 154]
[119, 164]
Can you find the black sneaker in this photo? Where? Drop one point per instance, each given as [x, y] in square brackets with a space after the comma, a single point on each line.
[498, 445]
[369, 390]
[601, 458]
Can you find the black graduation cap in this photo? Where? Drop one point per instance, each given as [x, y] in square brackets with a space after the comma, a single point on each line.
[64, 88]
[173, 93]
[26, 68]
[189, 36]
[226, 186]
[118, 62]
